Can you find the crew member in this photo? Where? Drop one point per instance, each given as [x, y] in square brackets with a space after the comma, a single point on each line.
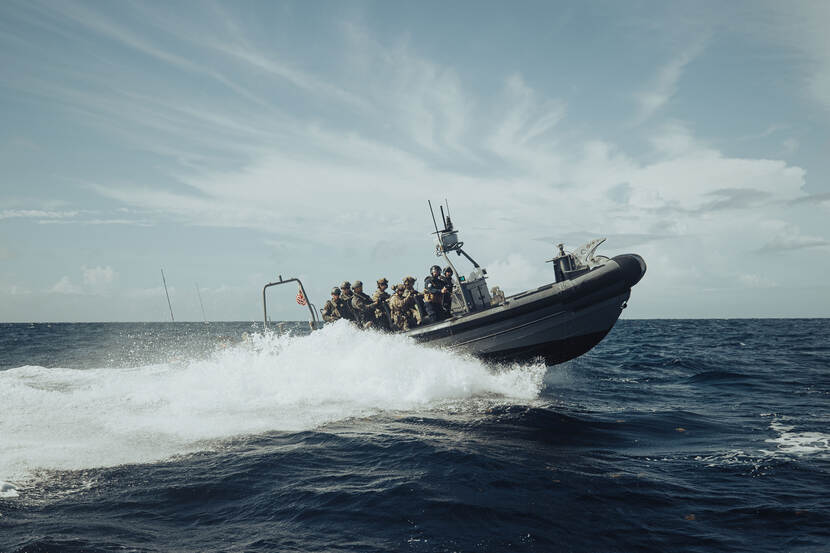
[409, 290]
[496, 296]
[362, 306]
[346, 289]
[346, 296]
[434, 290]
[400, 309]
[334, 308]
[381, 294]
[449, 285]
[380, 297]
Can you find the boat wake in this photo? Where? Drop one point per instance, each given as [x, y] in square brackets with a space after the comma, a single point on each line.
[69, 419]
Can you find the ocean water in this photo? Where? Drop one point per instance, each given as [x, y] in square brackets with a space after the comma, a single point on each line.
[671, 435]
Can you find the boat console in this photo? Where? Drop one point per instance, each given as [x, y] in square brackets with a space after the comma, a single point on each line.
[470, 293]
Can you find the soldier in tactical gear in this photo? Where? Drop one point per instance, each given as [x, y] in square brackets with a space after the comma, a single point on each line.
[362, 306]
[434, 290]
[448, 283]
[334, 308]
[409, 290]
[496, 296]
[381, 294]
[346, 289]
[380, 297]
[400, 309]
[346, 296]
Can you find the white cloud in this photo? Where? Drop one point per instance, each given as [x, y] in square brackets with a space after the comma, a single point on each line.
[36, 214]
[96, 277]
[516, 273]
[787, 237]
[65, 286]
[756, 281]
[95, 280]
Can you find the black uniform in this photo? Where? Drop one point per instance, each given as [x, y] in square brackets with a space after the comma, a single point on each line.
[447, 303]
[434, 297]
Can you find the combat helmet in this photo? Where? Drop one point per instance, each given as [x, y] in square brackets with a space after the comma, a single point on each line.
[383, 280]
[435, 268]
[357, 284]
[346, 284]
[335, 291]
[409, 279]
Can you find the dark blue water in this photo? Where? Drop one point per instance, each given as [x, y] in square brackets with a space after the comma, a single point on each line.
[671, 435]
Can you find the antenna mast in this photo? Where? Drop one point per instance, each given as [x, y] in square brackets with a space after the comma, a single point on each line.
[433, 216]
[163, 280]
[200, 302]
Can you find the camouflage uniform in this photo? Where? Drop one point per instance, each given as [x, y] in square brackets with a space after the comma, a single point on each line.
[333, 310]
[400, 309]
[380, 297]
[346, 296]
[362, 306]
[410, 291]
[496, 296]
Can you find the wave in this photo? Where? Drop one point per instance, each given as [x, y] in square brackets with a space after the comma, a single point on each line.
[798, 443]
[70, 419]
[716, 376]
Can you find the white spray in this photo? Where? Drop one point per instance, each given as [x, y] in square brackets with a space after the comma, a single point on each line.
[76, 419]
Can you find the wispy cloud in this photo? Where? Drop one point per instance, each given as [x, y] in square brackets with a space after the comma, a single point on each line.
[789, 238]
[665, 83]
[37, 214]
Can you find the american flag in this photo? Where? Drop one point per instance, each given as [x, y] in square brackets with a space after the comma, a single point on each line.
[300, 297]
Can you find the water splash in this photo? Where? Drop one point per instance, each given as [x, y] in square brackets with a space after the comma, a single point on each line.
[7, 490]
[794, 443]
[75, 419]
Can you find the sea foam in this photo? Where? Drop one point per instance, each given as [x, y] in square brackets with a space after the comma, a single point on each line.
[68, 419]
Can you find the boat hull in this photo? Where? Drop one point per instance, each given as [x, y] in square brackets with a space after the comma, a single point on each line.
[556, 322]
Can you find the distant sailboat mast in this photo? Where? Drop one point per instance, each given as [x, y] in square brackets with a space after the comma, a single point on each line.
[200, 303]
[164, 281]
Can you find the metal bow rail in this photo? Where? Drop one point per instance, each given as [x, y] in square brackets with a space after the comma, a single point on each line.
[315, 321]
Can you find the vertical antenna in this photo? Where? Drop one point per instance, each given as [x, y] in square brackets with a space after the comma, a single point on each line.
[433, 216]
[443, 218]
[448, 207]
[200, 302]
[168, 296]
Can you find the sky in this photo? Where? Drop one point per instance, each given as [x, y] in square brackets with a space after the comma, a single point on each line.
[232, 142]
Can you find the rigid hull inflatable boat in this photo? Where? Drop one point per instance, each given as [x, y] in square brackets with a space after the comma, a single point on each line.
[558, 321]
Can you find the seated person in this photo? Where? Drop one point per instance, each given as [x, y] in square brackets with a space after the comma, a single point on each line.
[334, 308]
[362, 306]
[400, 309]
